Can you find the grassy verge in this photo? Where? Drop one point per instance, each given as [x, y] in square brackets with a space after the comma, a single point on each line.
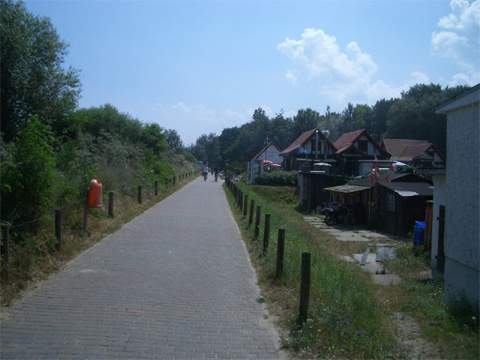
[36, 257]
[454, 331]
[344, 320]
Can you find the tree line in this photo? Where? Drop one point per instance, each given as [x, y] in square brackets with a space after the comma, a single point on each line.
[410, 116]
[49, 148]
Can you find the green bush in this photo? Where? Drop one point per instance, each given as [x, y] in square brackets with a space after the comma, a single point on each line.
[278, 178]
[29, 180]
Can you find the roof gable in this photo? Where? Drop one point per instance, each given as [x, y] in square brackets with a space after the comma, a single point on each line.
[347, 141]
[302, 139]
[265, 148]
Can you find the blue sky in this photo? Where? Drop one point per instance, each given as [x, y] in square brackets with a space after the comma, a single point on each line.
[200, 66]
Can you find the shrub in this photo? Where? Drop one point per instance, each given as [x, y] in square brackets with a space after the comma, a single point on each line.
[278, 178]
[28, 186]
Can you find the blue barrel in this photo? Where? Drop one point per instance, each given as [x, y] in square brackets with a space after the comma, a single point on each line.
[418, 233]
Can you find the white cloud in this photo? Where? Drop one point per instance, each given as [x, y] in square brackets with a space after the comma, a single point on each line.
[458, 39]
[342, 75]
[290, 76]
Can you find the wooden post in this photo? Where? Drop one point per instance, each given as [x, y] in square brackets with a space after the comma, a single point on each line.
[280, 252]
[250, 214]
[4, 253]
[111, 204]
[139, 194]
[58, 229]
[266, 234]
[304, 288]
[156, 187]
[85, 212]
[245, 205]
[257, 222]
[240, 201]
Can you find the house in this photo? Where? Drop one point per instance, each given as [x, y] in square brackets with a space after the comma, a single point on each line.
[310, 147]
[416, 153]
[255, 167]
[391, 202]
[461, 198]
[354, 146]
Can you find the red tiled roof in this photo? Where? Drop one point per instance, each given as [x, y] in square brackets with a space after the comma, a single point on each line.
[302, 139]
[406, 149]
[347, 139]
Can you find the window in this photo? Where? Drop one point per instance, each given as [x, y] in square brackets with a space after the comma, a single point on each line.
[363, 145]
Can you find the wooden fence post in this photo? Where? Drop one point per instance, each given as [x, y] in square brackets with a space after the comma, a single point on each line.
[85, 212]
[58, 229]
[280, 252]
[139, 194]
[245, 205]
[4, 253]
[155, 185]
[266, 234]
[111, 204]
[304, 288]
[257, 222]
[250, 214]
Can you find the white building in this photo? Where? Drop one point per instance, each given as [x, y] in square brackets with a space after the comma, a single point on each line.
[255, 166]
[460, 198]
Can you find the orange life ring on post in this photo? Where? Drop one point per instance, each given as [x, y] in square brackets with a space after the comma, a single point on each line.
[95, 195]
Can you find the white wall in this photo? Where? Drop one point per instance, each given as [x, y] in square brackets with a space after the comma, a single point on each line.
[463, 202]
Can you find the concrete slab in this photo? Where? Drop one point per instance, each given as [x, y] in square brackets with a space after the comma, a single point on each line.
[386, 279]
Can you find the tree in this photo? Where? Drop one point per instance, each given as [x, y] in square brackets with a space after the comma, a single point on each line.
[306, 119]
[413, 116]
[34, 81]
[29, 182]
[174, 141]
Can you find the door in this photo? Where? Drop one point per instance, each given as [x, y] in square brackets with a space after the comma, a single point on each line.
[441, 240]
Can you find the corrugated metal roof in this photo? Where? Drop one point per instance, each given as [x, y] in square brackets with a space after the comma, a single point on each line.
[347, 188]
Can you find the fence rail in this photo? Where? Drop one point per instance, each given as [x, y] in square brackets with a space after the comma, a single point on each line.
[59, 219]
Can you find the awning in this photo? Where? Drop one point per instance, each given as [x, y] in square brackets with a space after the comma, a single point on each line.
[347, 188]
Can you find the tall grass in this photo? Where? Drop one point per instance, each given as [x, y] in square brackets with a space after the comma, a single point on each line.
[344, 317]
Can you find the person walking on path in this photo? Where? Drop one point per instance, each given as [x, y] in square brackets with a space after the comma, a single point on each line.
[205, 172]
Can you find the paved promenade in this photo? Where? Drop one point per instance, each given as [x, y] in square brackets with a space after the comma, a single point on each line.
[174, 283]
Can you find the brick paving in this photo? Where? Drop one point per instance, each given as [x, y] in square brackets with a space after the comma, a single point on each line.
[174, 283]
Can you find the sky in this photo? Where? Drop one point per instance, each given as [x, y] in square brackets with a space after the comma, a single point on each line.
[200, 66]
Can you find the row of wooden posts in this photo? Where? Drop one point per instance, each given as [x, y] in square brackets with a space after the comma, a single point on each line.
[58, 217]
[247, 210]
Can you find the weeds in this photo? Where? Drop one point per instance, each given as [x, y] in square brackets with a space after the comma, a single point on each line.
[344, 318]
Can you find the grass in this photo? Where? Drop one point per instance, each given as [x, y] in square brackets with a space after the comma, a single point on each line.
[454, 330]
[344, 320]
[37, 258]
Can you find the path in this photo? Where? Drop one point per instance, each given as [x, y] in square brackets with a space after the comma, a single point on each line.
[175, 282]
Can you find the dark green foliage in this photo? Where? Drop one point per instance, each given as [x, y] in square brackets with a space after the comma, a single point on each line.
[34, 82]
[412, 116]
[28, 177]
[278, 178]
